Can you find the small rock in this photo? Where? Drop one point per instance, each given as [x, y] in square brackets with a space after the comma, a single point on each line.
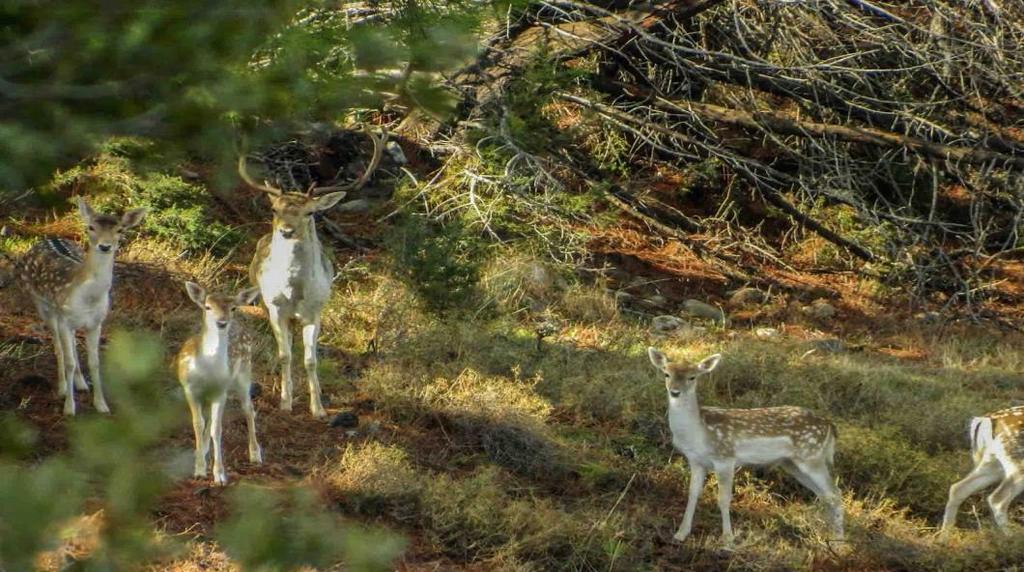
[747, 296]
[654, 301]
[345, 420]
[766, 333]
[356, 206]
[830, 345]
[706, 311]
[820, 310]
[667, 324]
[395, 150]
[5, 231]
[622, 298]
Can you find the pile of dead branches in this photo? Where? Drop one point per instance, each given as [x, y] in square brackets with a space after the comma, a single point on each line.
[909, 114]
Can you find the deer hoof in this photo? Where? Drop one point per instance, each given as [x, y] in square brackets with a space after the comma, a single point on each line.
[101, 406]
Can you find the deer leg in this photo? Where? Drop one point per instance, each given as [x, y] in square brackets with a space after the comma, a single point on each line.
[310, 333]
[281, 325]
[985, 474]
[67, 336]
[220, 475]
[697, 476]
[725, 473]
[824, 486]
[244, 383]
[801, 477]
[92, 349]
[200, 430]
[58, 348]
[1000, 499]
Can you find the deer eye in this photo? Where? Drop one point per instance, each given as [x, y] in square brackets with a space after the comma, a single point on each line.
[207, 307]
[92, 228]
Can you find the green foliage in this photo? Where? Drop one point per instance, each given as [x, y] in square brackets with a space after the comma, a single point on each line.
[190, 73]
[441, 262]
[178, 212]
[273, 530]
[32, 501]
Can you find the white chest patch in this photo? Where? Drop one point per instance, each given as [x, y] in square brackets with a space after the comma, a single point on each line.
[293, 276]
[88, 304]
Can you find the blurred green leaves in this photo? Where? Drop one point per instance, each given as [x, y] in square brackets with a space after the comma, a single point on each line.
[272, 530]
[118, 465]
[191, 74]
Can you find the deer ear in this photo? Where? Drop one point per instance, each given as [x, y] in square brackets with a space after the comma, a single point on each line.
[327, 201]
[247, 297]
[196, 292]
[85, 210]
[133, 218]
[657, 358]
[709, 363]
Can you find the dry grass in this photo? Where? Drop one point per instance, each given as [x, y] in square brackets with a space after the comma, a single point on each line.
[490, 452]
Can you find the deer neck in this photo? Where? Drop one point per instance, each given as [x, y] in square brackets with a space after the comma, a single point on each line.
[685, 420]
[297, 252]
[97, 268]
[213, 343]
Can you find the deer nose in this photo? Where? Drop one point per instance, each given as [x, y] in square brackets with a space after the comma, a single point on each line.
[104, 247]
[674, 393]
[287, 232]
[222, 324]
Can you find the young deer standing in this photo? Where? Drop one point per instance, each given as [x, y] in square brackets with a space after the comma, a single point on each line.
[997, 445]
[722, 440]
[71, 291]
[216, 359]
[295, 275]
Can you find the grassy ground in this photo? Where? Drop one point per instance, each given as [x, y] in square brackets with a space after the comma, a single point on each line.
[489, 448]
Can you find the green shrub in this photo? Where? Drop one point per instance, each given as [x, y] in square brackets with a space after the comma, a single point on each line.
[178, 211]
[273, 530]
[441, 262]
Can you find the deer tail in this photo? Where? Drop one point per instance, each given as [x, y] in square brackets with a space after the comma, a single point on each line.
[981, 435]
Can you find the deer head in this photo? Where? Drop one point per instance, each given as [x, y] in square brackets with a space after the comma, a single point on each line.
[218, 309]
[293, 211]
[681, 377]
[104, 231]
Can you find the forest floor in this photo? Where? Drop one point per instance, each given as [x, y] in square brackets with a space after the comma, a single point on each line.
[489, 449]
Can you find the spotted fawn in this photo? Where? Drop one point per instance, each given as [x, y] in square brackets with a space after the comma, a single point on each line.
[210, 363]
[722, 440]
[71, 291]
[997, 445]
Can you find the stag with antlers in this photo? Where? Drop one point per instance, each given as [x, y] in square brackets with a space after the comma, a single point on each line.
[293, 272]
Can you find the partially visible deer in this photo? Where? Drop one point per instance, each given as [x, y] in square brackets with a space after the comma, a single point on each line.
[71, 291]
[722, 440]
[210, 363]
[997, 445]
[293, 272]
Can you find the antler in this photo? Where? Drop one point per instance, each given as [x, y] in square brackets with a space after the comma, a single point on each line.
[265, 187]
[378, 151]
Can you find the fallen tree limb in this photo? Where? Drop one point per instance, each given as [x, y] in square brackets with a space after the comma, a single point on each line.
[771, 195]
[777, 123]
